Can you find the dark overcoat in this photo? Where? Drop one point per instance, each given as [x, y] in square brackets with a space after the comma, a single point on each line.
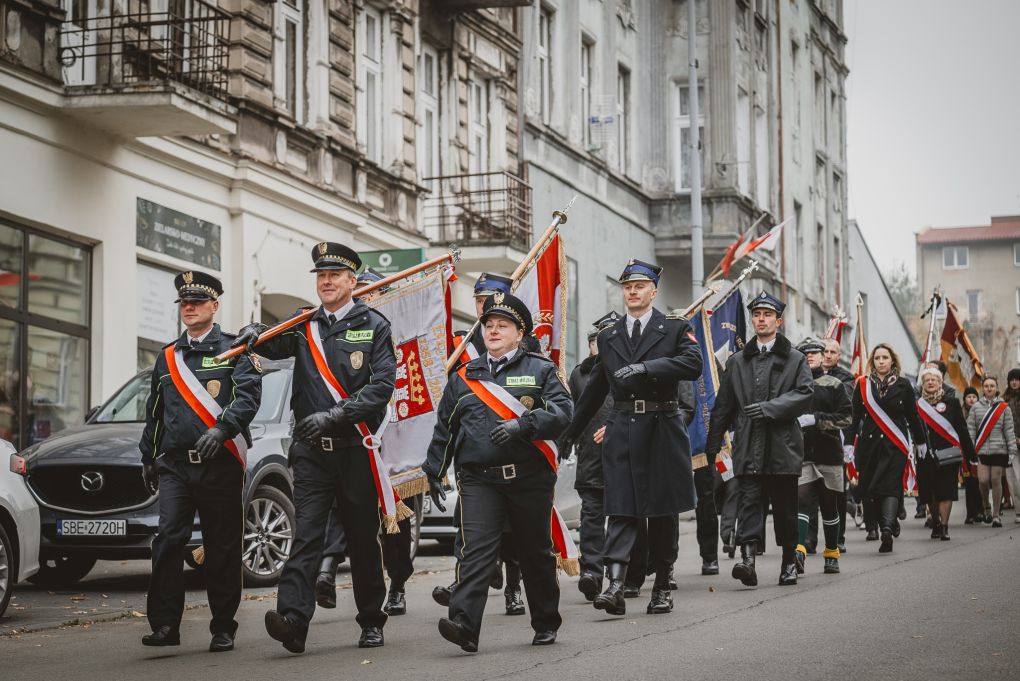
[781, 381]
[880, 464]
[646, 458]
[589, 452]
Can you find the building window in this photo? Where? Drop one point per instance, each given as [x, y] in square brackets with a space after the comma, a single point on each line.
[682, 137]
[837, 261]
[45, 318]
[587, 50]
[973, 304]
[821, 263]
[289, 82]
[798, 257]
[573, 340]
[762, 174]
[428, 95]
[1016, 254]
[1018, 301]
[837, 193]
[545, 49]
[955, 257]
[478, 125]
[371, 116]
[623, 118]
[743, 142]
[819, 112]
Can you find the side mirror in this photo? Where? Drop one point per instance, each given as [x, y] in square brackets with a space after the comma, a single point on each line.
[90, 413]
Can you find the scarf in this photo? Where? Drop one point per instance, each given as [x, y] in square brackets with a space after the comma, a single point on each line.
[934, 398]
[882, 386]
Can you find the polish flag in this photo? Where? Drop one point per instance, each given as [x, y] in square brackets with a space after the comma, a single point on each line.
[766, 242]
[544, 290]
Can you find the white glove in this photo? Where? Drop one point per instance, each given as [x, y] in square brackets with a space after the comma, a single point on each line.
[806, 420]
[848, 453]
[922, 450]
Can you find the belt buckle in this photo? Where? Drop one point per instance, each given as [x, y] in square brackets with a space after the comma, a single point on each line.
[193, 456]
[509, 471]
[639, 406]
[327, 444]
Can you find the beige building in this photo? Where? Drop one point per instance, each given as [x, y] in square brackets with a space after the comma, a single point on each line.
[978, 269]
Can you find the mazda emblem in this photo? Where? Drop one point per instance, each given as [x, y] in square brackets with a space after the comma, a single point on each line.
[92, 481]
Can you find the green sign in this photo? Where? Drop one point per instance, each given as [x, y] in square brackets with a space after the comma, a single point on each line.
[396, 260]
[165, 230]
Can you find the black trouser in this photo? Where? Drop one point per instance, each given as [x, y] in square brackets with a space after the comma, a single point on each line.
[622, 535]
[593, 530]
[486, 504]
[335, 542]
[808, 505]
[213, 488]
[320, 478]
[705, 513]
[972, 496]
[396, 547]
[781, 490]
[888, 508]
[728, 516]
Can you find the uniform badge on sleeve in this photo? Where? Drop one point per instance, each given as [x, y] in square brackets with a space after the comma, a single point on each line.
[255, 362]
[357, 359]
[528, 401]
[213, 388]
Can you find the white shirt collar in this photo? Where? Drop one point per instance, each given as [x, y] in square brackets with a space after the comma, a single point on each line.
[643, 319]
[508, 356]
[193, 340]
[342, 312]
[767, 346]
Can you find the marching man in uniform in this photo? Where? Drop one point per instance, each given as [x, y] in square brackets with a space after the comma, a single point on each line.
[344, 373]
[646, 457]
[193, 451]
[497, 419]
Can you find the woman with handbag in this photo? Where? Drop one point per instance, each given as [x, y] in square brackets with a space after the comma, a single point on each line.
[884, 411]
[991, 426]
[948, 444]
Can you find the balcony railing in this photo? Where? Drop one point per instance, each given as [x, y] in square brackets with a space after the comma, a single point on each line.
[187, 44]
[479, 209]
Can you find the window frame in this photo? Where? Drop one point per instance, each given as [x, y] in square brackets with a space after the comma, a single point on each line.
[430, 103]
[293, 15]
[586, 82]
[956, 250]
[543, 54]
[682, 122]
[973, 311]
[1016, 254]
[370, 125]
[623, 109]
[479, 91]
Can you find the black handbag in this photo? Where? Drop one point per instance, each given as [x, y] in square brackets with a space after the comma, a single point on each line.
[950, 456]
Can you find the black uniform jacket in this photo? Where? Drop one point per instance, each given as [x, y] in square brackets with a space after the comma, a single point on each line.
[879, 462]
[171, 423]
[830, 406]
[464, 422]
[359, 352]
[646, 458]
[780, 381]
[950, 408]
[589, 452]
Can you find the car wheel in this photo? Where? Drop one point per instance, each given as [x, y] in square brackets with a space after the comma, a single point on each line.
[268, 536]
[6, 570]
[419, 508]
[63, 571]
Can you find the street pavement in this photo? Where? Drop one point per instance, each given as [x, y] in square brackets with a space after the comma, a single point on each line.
[930, 610]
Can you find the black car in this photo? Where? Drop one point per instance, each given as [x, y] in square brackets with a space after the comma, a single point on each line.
[93, 505]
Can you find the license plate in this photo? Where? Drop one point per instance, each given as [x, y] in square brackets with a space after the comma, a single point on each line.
[91, 528]
[427, 506]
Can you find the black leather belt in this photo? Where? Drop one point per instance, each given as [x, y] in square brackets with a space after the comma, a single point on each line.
[643, 406]
[189, 455]
[506, 472]
[329, 444]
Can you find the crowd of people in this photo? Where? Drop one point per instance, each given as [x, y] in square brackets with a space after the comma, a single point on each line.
[802, 435]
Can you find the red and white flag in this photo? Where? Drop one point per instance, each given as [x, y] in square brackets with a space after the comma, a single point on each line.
[963, 366]
[544, 290]
[740, 249]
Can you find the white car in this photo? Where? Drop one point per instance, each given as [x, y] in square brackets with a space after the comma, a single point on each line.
[19, 525]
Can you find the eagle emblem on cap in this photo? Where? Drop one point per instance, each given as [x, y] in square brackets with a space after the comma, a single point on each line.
[323, 248]
[497, 298]
[188, 277]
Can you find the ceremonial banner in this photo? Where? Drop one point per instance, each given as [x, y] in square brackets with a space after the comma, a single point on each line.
[418, 317]
[963, 367]
[739, 249]
[859, 359]
[544, 290]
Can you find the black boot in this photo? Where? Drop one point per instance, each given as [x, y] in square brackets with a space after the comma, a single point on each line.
[611, 600]
[710, 566]
[497, 576]
[944, 532]
[441, 594]
[325, 583]
[662, 599]
[788, 572]
[589, 584]
[396, 602]
[514, 602]
[744, 570]
[730, 543]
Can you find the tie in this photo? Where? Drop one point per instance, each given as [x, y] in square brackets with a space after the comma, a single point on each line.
[331, 318]
[195, 342]
[764, 349]
[635, 332]
[496, 364]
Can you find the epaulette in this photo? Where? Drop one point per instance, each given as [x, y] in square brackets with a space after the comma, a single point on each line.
[227, 334]
[676, 315]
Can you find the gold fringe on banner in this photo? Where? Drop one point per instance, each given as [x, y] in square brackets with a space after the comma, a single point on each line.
[199, 555]
[403, 511]
[569, 565]
[410, 483]
[390, 524]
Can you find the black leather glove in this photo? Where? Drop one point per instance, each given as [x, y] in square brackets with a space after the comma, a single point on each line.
[209, 444]
[754, 411]
[316, 425]
[248, 336]
[565, 446]
[630, 371]
[437, 494]
[150, 477]
[506, 431]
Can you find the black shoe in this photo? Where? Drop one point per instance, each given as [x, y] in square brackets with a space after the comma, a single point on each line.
[163, 636]
[996, 522]
[709, 566]
[936, 530]
[441, 594]
[662, 600]
[842, 547]
[496, 582]
[611, 600]
[325, 591]
[544, 638]
[286, 632]
[799, 560]
[929, 523]
[872, 535]
[371, 637]
[221, 642]
[744, 570]
[944, 534]
[759, 548]
[514, 602]
[589, 585]
[831, 566]
[887, 542]
[631, 591]
[896, 528]
[920, 514]
[987, 518]
[788, 574]
[457, 633]
[729, 543]
[902, 513]
[673, 586]
[396, 602]
[969, 520]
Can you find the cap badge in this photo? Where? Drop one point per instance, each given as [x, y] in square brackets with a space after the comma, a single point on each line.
[497, 298]
[188, 277]
[323, 247]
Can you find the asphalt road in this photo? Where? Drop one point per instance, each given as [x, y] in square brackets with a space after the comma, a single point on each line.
[930, 610]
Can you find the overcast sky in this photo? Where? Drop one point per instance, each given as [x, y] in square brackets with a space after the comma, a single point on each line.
[933, 117]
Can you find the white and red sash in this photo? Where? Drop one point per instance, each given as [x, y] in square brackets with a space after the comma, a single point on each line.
[506, 406]
[200, 401]
[724, 465]
[394, 509]
[882, 419]
[466, 349]
[988, 424]
[937, 422]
